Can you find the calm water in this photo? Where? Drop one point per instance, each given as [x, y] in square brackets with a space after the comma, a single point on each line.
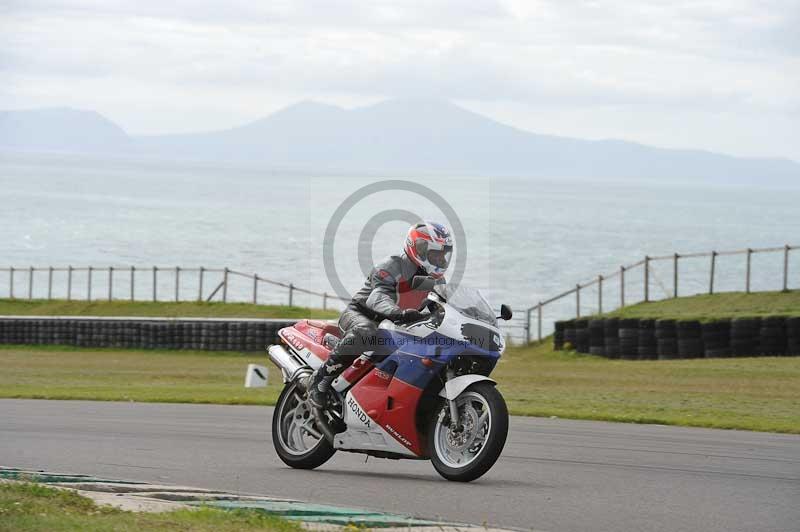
[526, 239]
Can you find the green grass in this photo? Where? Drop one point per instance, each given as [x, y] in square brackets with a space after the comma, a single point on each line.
[743, 393]
[184, 309]
[32, 507]
[725, 305]
[734, 393]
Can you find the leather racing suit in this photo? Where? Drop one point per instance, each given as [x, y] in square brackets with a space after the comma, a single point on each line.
[386, 293]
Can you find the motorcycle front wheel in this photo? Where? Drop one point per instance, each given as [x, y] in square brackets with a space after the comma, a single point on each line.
[468, 451]
[297, 440]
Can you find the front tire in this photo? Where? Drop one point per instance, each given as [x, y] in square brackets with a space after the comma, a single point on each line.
[297, 441]
[463, 456]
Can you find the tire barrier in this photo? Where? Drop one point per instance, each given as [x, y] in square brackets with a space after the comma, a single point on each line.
[597, 344]
[666, 333]
[646, 347]
[629, 339]
[745, 339]
[792, 335]
[666, 339]
[570, 334]
[144, 333]
[772, 336]
[717, 339]
[558, 335]
[582, 336]
[611, 337]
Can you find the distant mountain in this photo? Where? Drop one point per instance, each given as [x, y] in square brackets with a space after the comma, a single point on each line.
[398, 136]
[61, 130]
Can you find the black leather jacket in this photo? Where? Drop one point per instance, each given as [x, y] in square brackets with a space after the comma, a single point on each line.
[387, 289]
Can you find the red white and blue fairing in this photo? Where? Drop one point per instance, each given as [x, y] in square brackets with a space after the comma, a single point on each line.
[385, 395]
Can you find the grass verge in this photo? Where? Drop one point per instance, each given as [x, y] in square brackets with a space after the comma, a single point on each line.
[715, 306]
[33, 507]
[737, 393]
[183, 309]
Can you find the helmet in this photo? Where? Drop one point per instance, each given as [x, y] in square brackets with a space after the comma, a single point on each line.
[430, 246]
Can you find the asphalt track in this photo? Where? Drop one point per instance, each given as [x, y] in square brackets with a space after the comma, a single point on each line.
[557, 475]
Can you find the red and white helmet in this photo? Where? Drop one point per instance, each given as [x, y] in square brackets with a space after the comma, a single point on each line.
[430, 246]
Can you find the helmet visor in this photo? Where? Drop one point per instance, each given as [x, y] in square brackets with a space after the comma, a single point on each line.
[440, 257]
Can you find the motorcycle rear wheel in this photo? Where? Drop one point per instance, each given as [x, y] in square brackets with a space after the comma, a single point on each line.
[295, 438]
[466, 454]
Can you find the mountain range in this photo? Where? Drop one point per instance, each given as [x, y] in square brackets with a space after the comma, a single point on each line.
[396, 136]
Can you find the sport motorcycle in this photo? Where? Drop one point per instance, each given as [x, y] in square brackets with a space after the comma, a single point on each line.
[422, 392]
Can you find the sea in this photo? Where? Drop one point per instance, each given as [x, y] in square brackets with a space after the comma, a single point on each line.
[518, 240]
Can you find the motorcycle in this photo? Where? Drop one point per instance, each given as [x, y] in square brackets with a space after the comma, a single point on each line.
[423, 392]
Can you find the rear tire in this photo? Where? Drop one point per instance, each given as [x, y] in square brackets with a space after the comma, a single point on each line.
[295, 446]
[479, 400]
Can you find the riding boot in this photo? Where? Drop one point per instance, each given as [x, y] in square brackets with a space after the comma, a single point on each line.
[319, 384]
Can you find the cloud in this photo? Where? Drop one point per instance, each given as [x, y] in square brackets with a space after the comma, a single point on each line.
[710, 56]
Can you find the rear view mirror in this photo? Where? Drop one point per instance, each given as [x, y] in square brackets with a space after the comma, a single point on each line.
[422, 283]
[505, 312]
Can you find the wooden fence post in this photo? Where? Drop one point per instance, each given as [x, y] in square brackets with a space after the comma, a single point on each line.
[713, 268]
[89, 284]
[110, 283]
[621, 286]
[255, 289]
[133, 271]
[577, 300]
[675, 275]
[786, 268]
[155, 283]
[11, 282]
[30, 283]
[177, 283]
[646, 278]
[324, 300]
[747, 274]
[225, 286]
[599, 294]
[291, 294]
[539, 322]
[50, 283]
[528, 326]
[69, 283]
[200, 289]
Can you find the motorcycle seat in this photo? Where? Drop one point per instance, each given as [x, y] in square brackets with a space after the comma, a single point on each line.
[327, 327]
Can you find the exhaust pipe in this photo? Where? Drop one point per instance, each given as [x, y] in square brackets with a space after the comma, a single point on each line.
[290, 366]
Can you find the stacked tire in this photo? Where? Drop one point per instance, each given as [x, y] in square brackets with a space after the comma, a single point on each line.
[558, 335]
[793, 336]
[582, 336]
[628, 339]
[597, 337]
[570, 334]
[611, 337]
[646, 347]
[690, 339]
[666, 334]
[745, 337]
[716, 339]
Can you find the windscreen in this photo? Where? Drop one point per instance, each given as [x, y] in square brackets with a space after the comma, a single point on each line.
[469, 302]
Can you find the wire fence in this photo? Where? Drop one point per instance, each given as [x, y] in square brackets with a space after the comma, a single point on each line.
[641, 281]
[156, 283]
[637, 282]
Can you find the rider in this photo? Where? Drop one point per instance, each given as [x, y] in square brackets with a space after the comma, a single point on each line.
[386, 294]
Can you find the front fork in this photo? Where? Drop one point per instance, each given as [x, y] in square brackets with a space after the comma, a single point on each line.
[454, 425]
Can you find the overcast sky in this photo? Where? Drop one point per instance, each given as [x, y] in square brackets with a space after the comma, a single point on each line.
[721, 75]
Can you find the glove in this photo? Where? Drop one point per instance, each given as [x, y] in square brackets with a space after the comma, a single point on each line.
[407, 316]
